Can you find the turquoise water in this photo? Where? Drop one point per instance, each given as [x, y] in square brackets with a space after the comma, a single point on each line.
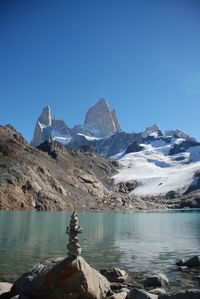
[141, 243]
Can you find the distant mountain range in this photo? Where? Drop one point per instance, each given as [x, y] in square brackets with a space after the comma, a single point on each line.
[55, 177]
[99, 122]
[160, 164]
[97, 166]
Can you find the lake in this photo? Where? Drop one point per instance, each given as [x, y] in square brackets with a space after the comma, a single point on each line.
[143, 243]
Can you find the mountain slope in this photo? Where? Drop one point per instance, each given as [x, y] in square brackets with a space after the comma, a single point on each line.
[161, 166]
[55, 177]
[58, 179]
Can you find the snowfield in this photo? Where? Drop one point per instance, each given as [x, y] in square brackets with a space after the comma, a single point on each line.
[64, 139]
[156, 172]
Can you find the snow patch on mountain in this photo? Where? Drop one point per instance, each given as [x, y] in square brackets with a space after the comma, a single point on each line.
[56, 136]
[180, 134]
[157, 172]
[89, 138]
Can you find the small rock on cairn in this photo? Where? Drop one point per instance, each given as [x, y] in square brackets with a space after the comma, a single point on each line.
[74, 248]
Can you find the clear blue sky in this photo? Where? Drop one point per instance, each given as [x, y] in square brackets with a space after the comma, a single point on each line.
[143, 56]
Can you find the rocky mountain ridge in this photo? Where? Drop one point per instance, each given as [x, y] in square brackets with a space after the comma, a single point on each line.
[99, 122]
[56, 177]
[101, 130]
[160, 164]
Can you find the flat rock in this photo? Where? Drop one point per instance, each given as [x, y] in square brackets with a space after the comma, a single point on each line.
[140, 294]
[62, 279]
[121, 295]
[158, 291]
[5, 287]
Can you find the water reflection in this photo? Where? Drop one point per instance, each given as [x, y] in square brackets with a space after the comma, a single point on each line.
[140, 243]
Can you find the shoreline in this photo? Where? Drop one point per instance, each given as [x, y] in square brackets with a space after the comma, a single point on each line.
[118, 280]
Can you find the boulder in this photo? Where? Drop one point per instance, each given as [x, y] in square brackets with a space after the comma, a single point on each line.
[190, 294]
[58, 278]
[190, 263]
[5, 287]
[114, 274]
[121, 295]
[140, 294]
[158, 291]
[159, 280]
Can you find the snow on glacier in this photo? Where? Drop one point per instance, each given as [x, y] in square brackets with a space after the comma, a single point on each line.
[64, 139]
[157, 172]
[89, 138]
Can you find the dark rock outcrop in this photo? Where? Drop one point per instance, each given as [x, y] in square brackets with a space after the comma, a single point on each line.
[134, 147]
[114, 275]
[179, 134]
[108, 146]
[126, 187]
[159, 280]
[190, 263]
[183, 146]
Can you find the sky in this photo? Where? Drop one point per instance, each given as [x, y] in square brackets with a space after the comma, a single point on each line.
[143, 56]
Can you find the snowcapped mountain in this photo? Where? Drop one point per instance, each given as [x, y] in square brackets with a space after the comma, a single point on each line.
[159, 164]
[99, 122]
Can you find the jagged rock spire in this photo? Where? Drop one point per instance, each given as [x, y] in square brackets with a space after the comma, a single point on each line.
[102, 119]
[45, 117]
[43, 122]
[74, 248]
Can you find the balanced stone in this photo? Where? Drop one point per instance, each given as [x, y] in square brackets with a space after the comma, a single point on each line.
[74, 248]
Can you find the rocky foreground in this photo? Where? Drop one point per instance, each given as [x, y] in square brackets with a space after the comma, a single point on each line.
[66, 278]
[73, 277]
[53, 177]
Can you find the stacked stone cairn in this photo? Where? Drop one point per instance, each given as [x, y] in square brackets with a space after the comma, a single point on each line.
[74, 248]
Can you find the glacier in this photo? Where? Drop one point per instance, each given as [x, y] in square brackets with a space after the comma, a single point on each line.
[156, 172]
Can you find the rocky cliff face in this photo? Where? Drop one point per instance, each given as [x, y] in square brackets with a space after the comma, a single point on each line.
[45, 117]
[42, 123]
[108, 146]
[102, 119]
[53, 177]
[55, 128]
